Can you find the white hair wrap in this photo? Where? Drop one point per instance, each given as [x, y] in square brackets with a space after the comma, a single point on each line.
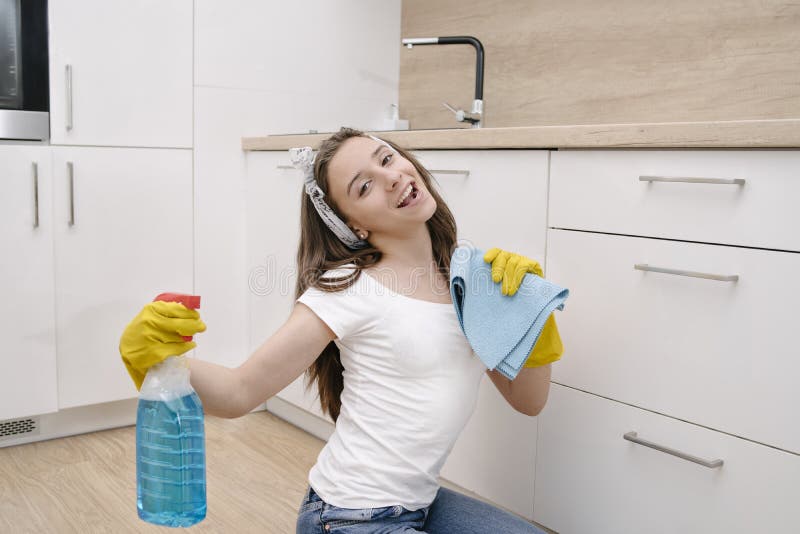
[303, 159]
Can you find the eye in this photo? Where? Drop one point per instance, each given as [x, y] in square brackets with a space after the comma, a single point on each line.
[384, 158]
[361, 189]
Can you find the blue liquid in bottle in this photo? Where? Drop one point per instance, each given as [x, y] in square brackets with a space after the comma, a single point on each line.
[170, 458]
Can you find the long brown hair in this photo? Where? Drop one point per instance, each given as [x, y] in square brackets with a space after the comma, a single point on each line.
[320, 250]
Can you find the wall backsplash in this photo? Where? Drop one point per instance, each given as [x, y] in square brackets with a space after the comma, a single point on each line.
[588, 62]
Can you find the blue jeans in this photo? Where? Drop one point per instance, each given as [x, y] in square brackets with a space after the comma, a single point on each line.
[450, 512]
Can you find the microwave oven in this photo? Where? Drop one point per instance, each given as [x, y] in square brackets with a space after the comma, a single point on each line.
[24, 71]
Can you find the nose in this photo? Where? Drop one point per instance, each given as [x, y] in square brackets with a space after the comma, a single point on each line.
[392, 178]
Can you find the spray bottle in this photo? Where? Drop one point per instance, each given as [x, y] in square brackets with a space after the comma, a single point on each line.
[170, 441]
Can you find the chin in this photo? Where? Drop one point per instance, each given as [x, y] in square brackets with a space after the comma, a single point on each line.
[432, 208]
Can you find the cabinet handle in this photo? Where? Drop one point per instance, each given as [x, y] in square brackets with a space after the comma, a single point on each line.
[68, 91]
[465, 172]
[681, 272]
[633, 436]
[722, 181]
[286, 167]
[71, 176]
[35, 167]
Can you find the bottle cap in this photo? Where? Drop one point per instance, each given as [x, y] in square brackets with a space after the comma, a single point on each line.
[190, 301]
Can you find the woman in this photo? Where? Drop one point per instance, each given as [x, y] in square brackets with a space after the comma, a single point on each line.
[375, 327]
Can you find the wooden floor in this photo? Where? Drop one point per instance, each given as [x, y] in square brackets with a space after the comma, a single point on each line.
[256, 474]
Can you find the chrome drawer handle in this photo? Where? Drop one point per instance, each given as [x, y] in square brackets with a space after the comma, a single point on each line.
[68, 92]
[632, 436]
[35, 194]
[286, 167]
[465, 172]
[71, 176]
[724, 181]
[681, 272]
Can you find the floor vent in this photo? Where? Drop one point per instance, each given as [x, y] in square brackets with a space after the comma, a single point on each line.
[17, 428]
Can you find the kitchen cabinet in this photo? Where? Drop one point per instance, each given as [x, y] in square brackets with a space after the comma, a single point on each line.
[499, 199]
[121, 73]
[123, 233]
[28, 383]
[679, 328]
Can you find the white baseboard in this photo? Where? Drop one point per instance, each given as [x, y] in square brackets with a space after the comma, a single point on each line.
[314, 425]
[78, 421]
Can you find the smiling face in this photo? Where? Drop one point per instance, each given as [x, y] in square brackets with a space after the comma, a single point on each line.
[367, 180]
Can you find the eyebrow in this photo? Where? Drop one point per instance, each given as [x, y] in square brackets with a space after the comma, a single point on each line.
[359, 173]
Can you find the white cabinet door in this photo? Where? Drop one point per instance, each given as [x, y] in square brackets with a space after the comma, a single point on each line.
[123, 234]
[121, 73]
[274, 194]
[27, 325]
[498, 197]
[590, 479]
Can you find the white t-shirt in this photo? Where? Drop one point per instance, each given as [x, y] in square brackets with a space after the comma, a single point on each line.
[411, 384]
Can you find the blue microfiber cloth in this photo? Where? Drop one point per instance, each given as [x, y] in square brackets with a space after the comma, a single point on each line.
[501, 329]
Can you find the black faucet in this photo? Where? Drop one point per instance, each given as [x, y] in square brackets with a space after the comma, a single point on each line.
[475, 116]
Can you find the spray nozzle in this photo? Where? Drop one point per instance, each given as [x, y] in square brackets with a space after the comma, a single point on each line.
[190, 301]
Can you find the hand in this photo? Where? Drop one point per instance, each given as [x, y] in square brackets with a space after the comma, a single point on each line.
[510, 268]
[155, 334]
[548, 347]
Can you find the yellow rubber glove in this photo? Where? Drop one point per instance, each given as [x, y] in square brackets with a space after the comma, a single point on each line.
[548, 347]
[155, 334]
[510, 269]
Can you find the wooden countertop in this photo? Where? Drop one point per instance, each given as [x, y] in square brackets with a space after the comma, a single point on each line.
[778, 133]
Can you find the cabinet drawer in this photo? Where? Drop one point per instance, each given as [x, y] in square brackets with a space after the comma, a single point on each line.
[589, 479]
[498, 197]
[601, 190]
[719, 353]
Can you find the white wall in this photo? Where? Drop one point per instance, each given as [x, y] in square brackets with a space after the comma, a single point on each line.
[264, 67]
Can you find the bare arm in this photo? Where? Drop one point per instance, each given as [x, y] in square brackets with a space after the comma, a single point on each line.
[283, 357]
[527, 393]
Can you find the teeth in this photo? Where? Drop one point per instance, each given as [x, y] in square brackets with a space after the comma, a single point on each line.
[407, 192]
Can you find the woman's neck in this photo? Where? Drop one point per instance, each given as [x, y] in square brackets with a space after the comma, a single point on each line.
[411, 252]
